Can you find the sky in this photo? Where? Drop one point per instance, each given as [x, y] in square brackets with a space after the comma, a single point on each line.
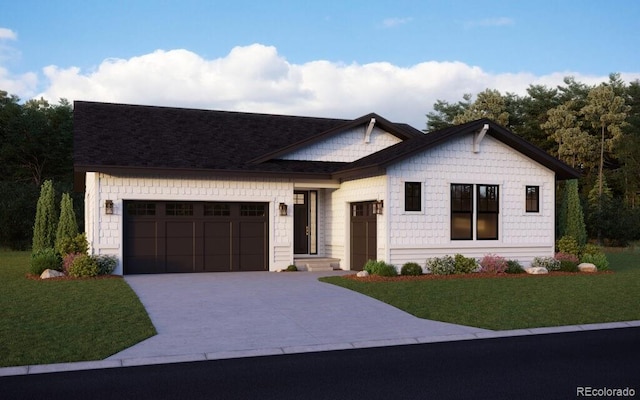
[336, 59]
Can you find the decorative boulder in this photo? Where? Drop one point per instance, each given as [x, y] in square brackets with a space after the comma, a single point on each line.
[362, 274]
[51, 273]
[587, 267]
[536, 270]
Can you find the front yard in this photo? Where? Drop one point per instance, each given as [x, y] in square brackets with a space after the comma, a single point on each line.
[513, 302]
[53, 321]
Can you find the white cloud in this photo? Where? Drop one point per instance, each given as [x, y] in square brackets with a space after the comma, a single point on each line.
[393, 22]
[256, 78]
[7, 34]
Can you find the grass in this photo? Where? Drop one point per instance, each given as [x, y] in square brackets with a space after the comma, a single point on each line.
[517, 302]
[53, 321]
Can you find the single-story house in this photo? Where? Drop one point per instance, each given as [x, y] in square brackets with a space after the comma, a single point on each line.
[187, 190]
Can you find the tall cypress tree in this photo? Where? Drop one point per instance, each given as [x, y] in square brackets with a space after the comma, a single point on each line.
[67, 225]
[44, 229]
[575, 217]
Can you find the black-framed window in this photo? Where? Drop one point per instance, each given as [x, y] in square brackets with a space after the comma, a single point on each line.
[487, 208]
[461, 212]
[412, 196]
[179, 209]
[533, 199]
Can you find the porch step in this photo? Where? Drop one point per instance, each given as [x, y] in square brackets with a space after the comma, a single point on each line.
[318, 264]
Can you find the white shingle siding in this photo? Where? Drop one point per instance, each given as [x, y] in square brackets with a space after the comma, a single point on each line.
[345, 147]
[415, 236]
[105, 232]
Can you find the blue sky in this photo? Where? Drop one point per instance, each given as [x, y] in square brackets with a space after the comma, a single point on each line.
[309, 58]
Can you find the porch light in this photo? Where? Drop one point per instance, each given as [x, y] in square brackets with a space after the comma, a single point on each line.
[283, 209]
[378, 206]
[108, 207]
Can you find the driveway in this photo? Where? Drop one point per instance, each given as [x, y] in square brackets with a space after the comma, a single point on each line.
[221, 314]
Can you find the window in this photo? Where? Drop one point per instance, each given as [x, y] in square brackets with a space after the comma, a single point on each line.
[461, 212]
[253, 210]
[179, 209]
[217, 210]
[485, 213]
[533, 199]
[412, 196]
[141, 209]
[487, 208]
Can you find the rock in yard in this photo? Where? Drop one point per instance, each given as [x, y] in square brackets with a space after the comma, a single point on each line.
[51, 273]
[587, 267]
[536, 270]
[362, 274]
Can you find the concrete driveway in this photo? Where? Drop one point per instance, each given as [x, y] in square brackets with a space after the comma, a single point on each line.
[222, 315]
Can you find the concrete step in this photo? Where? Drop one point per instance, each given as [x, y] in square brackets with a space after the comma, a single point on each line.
[318, 264]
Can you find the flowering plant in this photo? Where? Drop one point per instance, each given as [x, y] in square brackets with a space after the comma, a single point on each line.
[493, 264]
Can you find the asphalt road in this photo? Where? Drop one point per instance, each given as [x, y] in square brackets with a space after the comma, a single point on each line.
[552, 366]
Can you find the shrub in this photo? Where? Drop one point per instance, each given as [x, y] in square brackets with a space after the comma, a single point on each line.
[411, 268]
[67, 260]
[67, 225]
[441, 265]
[493, 264]
[83, 266]
[291, 268]
[592, 249]
[380, 268]
[568, 266]
[464, 265]
[566, 257]
[106, 263]
[514, 267]
[550, 263]
[76, 244]
[45, 259]
[44, 228]
[599, 260]
[568, 245]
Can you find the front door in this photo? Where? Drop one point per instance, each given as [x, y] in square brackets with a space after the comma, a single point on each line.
[301, 222]
[364, 233]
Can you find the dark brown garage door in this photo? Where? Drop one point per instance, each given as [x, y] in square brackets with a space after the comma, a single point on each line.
[165, 237]
[364, 233]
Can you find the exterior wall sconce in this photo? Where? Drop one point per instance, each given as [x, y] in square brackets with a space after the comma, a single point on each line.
[283, 209]
[108, 207]
[378, 206]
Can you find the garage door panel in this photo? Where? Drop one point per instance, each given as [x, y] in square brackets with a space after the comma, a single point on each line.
[233, 239]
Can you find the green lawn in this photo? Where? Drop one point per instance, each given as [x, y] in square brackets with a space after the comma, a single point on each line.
[517, 302]
[53, 321]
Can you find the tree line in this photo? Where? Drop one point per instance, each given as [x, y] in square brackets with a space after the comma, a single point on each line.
[593, 128]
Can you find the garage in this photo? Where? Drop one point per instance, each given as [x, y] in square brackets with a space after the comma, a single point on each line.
[180, 237]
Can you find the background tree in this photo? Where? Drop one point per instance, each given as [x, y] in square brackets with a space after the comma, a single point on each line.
[575, 226]
[44, 230]
[575, 146]
[489, 104]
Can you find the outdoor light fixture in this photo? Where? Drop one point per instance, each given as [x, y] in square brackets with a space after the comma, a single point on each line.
[108, 207]
[283, 209]
[377, 207]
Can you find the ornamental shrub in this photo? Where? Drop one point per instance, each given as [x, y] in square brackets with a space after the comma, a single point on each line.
[550, 263]
[493, 264]
[411, 268]
[568, 245]
[45, 259]
[67, 260]
[599, 260]
[44, 228]
[567, 257]
[514, 267]
[291, 268]
[107, 263]
[76, 244]
[380, 268]
[464, 265]
[83, 266]
[441, 265]
[568, 266]
[67, 225]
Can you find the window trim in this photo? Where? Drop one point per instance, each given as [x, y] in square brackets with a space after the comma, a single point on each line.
[469, 214]
[527, 199]
[495, 212]
[413, 199]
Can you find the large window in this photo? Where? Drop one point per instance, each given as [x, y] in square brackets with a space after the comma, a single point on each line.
[412, 196]
[484, 214]
[533, 199]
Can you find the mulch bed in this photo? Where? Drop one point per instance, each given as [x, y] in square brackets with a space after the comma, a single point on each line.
[33, 277]
[430, 277]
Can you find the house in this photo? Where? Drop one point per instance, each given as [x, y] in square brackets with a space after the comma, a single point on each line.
[185, 190]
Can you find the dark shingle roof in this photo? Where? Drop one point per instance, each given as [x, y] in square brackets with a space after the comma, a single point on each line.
[132, 138]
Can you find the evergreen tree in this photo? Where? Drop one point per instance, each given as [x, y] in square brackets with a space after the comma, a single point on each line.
[44, 229]
[575, 217]
[67, 225]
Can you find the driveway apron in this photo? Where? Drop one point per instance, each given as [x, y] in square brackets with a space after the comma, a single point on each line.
[240, 311]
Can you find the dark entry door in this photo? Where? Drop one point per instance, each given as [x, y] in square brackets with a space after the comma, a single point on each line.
[301, 222]
[363, 234]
